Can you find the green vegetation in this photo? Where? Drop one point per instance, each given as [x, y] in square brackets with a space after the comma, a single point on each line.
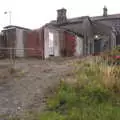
[112, 56]
[94, 95]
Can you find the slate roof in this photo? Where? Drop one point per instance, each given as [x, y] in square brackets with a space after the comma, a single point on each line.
[102, 24]
[99, 18]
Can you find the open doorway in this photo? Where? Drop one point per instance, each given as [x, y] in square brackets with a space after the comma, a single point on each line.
[97, 46]
[117, 40]
[51, 44]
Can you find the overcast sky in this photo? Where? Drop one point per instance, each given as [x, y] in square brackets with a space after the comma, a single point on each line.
[35, 13]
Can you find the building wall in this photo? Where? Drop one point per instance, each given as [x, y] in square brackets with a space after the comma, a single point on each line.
[25, 36]
[62, 43]
[56, 43]
[19, 43]
[15, 38]
[10, 38]
[70, 44]
[32, 44]
[2, 45]
[41, 41]
[35, 41]
[65, 43]
[46, 41]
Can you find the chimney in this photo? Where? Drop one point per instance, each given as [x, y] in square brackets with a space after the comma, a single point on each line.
[105, 11]
[61, 16]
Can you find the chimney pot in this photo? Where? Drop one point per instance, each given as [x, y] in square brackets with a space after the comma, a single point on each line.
[61, 16]
[105, 11]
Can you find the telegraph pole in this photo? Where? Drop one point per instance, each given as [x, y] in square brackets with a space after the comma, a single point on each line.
[10, 16]
[9, 13]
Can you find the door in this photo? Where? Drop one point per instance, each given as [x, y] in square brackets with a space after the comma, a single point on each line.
[51, 44]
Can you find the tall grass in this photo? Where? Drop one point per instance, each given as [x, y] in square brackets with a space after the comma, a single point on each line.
[97, 72]
[94, 95]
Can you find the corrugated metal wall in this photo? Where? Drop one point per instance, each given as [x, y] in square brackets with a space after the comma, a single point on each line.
[35, 40]
[69, 44]
[62, 43]
[10, 38]
[41, 40]
[19, 43]
[2, 45]
[46, 41]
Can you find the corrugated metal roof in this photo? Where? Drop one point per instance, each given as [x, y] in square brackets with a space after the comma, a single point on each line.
[13, 26]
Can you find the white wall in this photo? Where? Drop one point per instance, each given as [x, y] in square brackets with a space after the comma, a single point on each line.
[79, 46]
[46, 42]
[19, 43]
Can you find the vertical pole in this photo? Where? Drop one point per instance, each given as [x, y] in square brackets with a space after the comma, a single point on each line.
[10, 17]
[11, 55]
[11, 61]
[9, 52]
[93, 46]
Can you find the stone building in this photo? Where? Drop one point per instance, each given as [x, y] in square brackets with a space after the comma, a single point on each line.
[64, 36]
[91, 34]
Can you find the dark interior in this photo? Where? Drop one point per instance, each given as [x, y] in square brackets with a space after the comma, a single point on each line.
[97, 46]
[118, 40]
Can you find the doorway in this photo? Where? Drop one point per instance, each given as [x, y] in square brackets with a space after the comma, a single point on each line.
[117, 40]
[97, 46]
[51, 44]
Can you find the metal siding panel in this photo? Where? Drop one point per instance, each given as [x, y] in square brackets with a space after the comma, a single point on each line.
[41, 40]
[35, 41]
[46, 39]
[19, 43]
[56, 43]
[11, 39]
[70, 44]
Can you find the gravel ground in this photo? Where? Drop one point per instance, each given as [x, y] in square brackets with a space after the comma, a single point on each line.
[28, 86]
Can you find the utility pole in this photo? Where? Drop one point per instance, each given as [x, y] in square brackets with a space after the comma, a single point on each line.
[10, 16]
[9, 13]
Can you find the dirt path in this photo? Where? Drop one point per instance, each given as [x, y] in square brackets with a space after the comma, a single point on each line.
[27, 88]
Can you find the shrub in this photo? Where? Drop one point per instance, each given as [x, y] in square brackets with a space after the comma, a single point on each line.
[113, 56]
